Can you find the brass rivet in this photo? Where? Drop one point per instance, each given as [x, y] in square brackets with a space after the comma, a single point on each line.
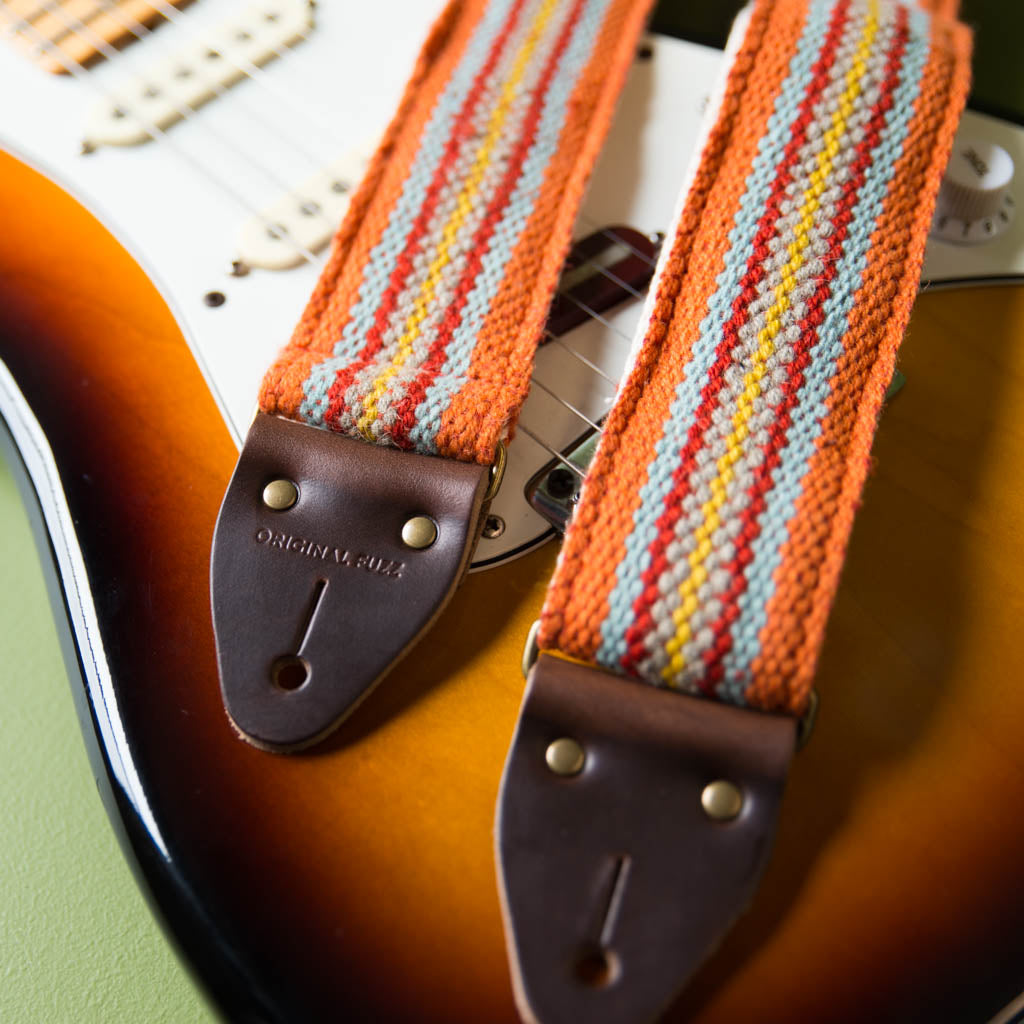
[721, 800]
[564, 756]
[419, 532]
[280, 495]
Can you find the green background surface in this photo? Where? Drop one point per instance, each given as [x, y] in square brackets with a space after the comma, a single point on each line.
[77, 940]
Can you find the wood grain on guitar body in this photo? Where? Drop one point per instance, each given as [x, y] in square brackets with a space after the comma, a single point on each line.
[356, 881]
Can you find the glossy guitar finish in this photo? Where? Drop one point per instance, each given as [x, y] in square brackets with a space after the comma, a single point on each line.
[356, 881]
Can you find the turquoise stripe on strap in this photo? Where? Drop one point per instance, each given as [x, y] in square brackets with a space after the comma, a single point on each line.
[629, 574]
[517, 213]
[812, 407]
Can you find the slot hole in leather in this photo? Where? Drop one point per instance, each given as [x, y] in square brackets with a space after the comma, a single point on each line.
[596, 967]
[290, 673]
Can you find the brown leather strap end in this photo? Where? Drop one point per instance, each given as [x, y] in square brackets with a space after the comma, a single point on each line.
[633, 825]
[330, 558]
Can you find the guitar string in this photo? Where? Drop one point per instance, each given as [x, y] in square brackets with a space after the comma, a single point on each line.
[608, 273]
[250, 71]
[33, 12]
[561, 343]
[594, 315]
[306, 204]
[187, 113]
[80, 73]
[40, 10]
[140, 31]
[54, 7]
[523, 428]
[596, 227]
[578, 413]
[568, 405]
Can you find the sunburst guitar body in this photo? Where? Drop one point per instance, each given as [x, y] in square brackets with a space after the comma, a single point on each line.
[355, 881]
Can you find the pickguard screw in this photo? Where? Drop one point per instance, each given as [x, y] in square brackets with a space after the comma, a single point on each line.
[646, 52]
[238, 268]
[214, 299]
[494, 526]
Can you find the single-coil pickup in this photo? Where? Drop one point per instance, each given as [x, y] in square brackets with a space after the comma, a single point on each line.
[302, 221]
[171, 88]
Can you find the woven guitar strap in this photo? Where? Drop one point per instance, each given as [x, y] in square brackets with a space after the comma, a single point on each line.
[336, 548]
[705, 549]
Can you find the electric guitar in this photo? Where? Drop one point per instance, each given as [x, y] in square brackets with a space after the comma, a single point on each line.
[161, 232]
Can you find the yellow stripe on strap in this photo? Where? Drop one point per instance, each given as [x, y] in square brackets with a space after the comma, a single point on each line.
[825, 158]
[427, 296]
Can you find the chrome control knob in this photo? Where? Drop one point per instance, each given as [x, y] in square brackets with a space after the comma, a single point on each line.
[974, 203]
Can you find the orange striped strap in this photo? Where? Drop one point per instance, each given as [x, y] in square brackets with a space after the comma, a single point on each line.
[418, 341]
[421, 332]
[705, 549]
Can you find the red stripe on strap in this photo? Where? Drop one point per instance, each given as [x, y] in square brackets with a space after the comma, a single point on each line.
[460, 132]
[416, 390]
[643, 621]
[750, 516]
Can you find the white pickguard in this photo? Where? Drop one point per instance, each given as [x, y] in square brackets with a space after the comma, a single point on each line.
[179, 202]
